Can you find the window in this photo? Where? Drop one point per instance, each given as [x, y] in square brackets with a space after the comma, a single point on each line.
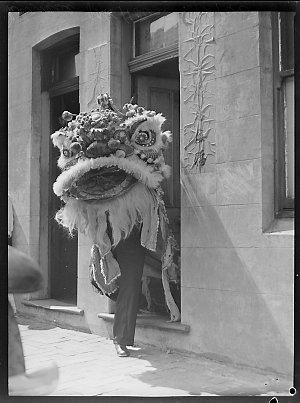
[157, 32]
[155, 40]
[58, 65]
[283, 51]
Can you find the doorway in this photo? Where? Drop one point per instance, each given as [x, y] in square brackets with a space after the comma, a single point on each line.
[157, 88]
[62, 247]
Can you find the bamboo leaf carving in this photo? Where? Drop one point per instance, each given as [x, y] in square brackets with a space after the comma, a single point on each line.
[199, 65]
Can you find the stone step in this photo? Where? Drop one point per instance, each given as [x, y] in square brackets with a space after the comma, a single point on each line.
[59, 313]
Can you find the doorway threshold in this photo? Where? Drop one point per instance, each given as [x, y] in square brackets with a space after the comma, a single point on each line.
[55, 305]
[64, 314]
[153, 321]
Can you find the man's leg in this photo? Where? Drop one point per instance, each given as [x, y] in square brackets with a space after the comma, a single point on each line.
[130, 256]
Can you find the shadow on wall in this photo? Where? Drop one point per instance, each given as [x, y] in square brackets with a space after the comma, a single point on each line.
[239, 301]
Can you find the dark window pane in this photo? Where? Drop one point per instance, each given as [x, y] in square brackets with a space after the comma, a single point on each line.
[66, 66]
[156, 33]
[287, 40]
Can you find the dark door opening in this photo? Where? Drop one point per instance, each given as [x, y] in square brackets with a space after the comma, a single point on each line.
[62, 248]
[157, 88]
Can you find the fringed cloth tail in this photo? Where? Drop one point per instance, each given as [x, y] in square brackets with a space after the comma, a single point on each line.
[99, 267]
[169, 268]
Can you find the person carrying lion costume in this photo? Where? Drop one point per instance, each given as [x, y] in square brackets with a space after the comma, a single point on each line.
[112, 167]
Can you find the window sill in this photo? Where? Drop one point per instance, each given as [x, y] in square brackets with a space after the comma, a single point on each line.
[153, 321]
[281, 226]
[155, 56]
[54, 305]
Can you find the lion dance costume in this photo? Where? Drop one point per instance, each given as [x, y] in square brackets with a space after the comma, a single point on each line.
[112, 168]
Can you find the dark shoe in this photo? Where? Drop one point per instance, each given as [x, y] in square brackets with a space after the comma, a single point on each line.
[23, 273]
[121, 350]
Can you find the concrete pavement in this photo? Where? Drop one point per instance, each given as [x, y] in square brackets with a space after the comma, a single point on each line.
[89, 366]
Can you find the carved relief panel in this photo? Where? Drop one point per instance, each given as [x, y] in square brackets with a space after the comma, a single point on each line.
[197, 69]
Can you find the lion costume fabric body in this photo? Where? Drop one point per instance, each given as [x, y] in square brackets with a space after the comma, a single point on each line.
[112, 168]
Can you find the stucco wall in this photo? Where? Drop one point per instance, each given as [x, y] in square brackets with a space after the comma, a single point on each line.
[237, 278]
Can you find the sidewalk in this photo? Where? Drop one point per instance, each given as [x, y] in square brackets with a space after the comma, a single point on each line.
[89, 366]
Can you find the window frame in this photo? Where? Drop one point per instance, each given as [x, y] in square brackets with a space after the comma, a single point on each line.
[283, 206]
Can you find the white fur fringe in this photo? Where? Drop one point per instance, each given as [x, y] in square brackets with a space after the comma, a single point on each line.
[138, 205]
[132, 165]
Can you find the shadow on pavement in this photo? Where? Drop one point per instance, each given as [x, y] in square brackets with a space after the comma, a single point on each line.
[32, 325]
[202, 377]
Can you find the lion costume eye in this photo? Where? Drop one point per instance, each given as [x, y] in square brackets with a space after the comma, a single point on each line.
[143, 136]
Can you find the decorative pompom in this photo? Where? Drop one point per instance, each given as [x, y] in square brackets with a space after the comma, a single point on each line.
[130, 113]
[103, 100]
[75, 147]
[95, 116]
[166, 171]
[151, 114]
[58, 138]
[167, 136]
[67, 116]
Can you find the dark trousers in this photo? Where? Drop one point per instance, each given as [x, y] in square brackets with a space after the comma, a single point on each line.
[131, 256]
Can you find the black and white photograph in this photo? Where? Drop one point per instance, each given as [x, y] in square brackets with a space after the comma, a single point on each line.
[151, 192]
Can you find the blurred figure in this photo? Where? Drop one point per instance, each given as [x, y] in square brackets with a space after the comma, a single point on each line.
[10, 221]
[24, 276]
[10, 232]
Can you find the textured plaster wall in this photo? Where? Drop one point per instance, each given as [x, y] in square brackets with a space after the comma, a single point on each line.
[237, 279]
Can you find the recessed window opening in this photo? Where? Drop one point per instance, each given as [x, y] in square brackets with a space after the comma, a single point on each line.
[284, 113]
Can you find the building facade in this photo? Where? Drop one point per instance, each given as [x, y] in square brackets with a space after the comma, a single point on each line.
[224, 81]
